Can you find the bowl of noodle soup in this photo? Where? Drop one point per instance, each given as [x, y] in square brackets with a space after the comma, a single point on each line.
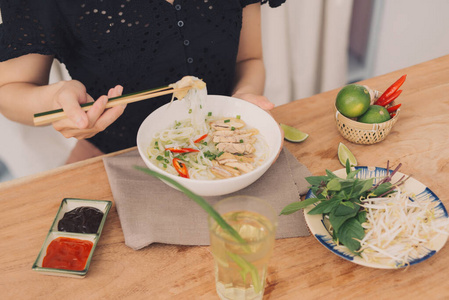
[257, 143]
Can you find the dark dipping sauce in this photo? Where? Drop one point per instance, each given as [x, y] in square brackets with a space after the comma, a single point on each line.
[83, 219]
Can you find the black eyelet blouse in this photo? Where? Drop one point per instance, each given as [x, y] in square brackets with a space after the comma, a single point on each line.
[135, 43]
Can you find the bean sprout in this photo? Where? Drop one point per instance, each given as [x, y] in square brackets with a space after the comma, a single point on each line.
[400, 228]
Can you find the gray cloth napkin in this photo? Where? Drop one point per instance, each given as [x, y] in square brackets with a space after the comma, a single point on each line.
[152, 212]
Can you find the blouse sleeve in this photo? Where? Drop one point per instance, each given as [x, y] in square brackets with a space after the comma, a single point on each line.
[272, 3]
[30, 26]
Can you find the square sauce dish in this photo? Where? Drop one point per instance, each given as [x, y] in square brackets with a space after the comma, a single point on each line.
[72, 238]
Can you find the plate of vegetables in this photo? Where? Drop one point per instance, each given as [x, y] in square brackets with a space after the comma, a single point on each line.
[375, 217]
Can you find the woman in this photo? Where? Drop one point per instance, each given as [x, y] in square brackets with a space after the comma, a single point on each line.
[128, 44]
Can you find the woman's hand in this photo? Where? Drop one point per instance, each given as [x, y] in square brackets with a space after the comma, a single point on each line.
[259, 100]
[265, 104]
[81, 124]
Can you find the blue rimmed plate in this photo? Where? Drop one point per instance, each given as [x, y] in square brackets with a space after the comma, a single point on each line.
[319, 225]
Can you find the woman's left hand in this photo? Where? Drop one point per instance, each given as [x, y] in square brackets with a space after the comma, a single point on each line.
[259, 100]
[265, 104]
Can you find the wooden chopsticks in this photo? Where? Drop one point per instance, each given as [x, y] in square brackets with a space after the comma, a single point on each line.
[51, 116]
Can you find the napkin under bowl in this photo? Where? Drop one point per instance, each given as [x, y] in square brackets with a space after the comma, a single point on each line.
[152, 212]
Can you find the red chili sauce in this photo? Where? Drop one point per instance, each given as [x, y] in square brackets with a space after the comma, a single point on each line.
[67, 253]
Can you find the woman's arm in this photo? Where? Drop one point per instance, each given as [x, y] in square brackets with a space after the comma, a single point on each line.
[23, 87]
[24, 91]
[250, 69]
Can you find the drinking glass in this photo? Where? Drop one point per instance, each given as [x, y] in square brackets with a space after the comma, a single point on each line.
[241, 268]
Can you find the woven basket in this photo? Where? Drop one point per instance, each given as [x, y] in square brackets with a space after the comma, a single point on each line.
[362, 133]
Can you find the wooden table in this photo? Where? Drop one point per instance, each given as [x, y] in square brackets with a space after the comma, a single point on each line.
[301, 267]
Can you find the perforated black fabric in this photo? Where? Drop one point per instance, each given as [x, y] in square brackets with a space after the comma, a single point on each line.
[138, 44]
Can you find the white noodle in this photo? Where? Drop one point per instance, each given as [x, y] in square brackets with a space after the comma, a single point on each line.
[183, 133]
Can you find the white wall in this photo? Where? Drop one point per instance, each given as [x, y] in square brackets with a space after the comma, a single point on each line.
[410, 32]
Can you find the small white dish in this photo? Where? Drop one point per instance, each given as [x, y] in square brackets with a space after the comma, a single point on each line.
[70, 204]
[37, 266]
[67, 205]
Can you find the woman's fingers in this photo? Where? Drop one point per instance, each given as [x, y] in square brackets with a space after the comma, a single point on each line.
[119, 90]
[99, 120]
[69, 97]
[258, 100]
[96, 110]
[111, 93]
[98, 117]
[115, 92]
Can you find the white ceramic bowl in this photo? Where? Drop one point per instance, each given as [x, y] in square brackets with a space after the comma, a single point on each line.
[253, 116]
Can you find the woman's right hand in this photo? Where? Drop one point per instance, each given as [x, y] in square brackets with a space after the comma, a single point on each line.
[79, 123]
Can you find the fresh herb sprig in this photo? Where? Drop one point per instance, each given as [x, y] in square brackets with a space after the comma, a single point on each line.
[339, 199]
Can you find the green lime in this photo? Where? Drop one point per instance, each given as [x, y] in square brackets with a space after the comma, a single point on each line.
[292, 134]
[353, 100]
[375, 114]
[344, 153]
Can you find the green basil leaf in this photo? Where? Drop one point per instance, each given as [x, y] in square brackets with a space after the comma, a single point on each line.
[324, 207]
[352, 174]
[367, 184]
[330, 174]
[347, 183]
[338, 196]
[361, 186]
[349, 233]
[334, 185]
[348, 204]
[316, 180]
[295, 206]
[382, 189]
[361, 217]
[338, 219]
[344, 210]
[321, 197]
[348, 166]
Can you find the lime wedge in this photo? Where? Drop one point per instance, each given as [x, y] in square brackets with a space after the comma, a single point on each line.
[292, 134]
[344, 153]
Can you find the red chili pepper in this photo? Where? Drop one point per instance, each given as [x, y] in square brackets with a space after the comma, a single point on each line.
[181, 168]
[392, 98]
[200, 138]
[182, 150]
[392, 115]
[394, 108]
[389, 92]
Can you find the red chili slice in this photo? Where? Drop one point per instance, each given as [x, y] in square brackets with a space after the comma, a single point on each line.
[182, 150]
[180, 168]
[200, 138]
